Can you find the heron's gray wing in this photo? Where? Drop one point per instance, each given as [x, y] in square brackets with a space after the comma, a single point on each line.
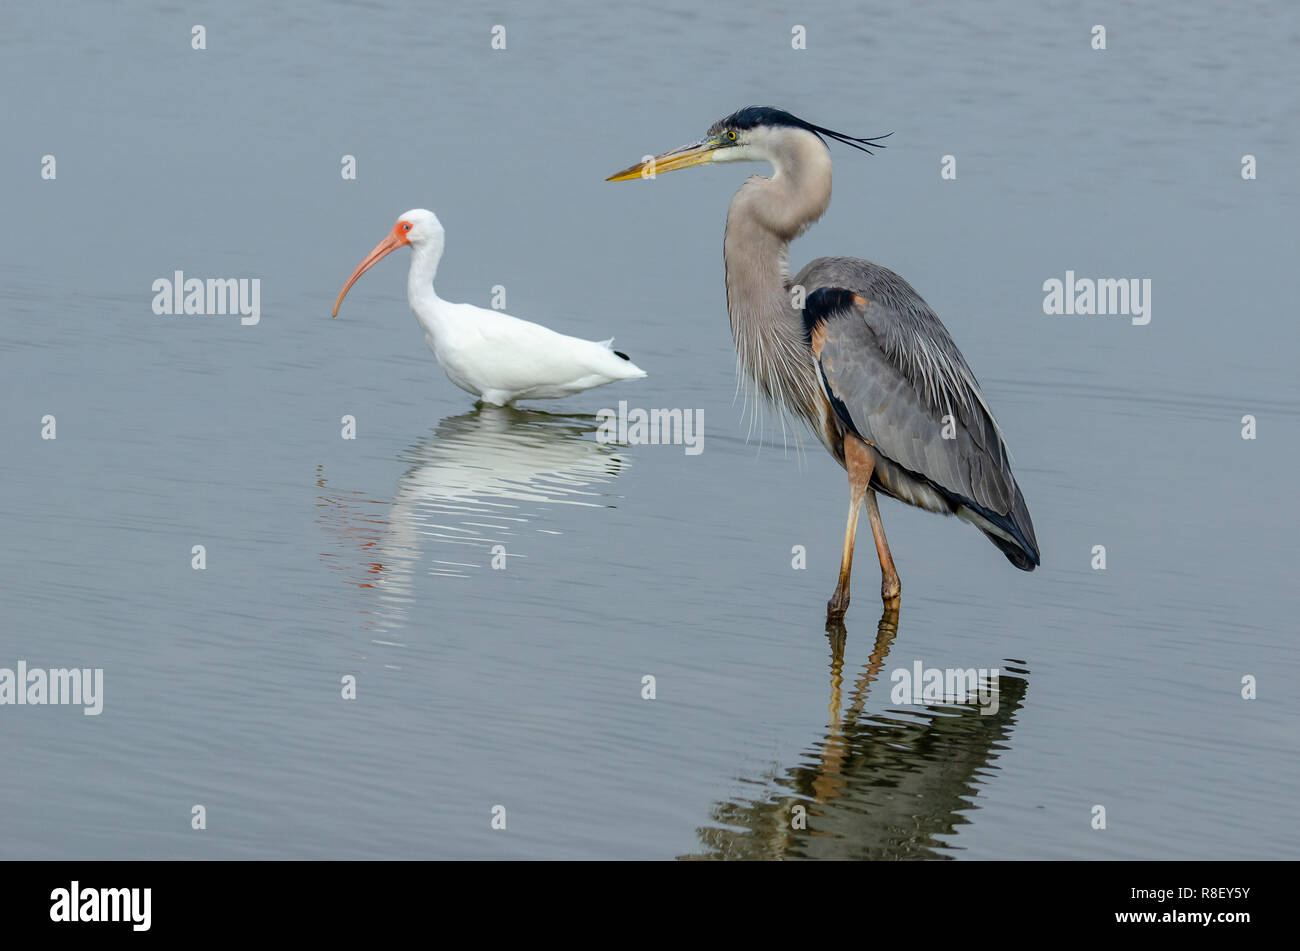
[897, 378]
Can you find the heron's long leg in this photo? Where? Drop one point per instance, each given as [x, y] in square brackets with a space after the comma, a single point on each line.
[860, 461]
[890, 587]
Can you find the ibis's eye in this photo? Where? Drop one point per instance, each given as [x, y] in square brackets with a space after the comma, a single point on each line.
[731, 136]
[406, 227]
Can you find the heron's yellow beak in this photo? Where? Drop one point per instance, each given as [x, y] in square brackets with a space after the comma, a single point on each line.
[688, 155]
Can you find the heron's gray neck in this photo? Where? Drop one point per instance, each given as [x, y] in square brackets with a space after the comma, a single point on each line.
[766, 214]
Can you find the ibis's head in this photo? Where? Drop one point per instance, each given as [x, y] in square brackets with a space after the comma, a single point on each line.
[419, 228]
[754, 134]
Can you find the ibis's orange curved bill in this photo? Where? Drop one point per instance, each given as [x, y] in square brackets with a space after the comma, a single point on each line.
[394, 241]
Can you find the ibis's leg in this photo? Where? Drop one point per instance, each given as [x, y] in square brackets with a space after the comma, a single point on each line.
[890, 588]
[859, 461]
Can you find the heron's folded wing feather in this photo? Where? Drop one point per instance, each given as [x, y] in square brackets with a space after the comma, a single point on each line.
[902, 387]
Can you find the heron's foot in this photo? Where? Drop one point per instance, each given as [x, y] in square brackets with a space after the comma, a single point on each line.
[838, 605]
[891, 590]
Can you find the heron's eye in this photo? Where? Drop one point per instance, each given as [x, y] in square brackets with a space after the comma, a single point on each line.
[731, 136]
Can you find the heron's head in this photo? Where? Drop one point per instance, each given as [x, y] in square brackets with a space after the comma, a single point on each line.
[419, 227]
[753, 134]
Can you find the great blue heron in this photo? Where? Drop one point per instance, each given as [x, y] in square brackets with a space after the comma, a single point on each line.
[851, 348]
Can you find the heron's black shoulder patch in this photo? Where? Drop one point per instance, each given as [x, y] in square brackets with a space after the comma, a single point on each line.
[822, 304]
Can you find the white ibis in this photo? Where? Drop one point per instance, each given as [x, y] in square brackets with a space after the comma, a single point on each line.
[494, 356]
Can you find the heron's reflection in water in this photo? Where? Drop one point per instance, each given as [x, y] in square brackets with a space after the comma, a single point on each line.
[481, 479]
[876, 786]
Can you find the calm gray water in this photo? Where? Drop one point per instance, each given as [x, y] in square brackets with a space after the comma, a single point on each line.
[522, 687]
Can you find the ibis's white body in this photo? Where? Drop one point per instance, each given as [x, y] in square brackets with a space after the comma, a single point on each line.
[501, 359]
[494, 356]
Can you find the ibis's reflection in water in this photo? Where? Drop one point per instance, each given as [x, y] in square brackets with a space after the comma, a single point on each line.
[485, 478]
[878, 786]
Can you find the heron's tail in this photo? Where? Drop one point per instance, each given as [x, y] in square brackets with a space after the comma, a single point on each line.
[1021, 548]
[1013, 533]
[1026, 559]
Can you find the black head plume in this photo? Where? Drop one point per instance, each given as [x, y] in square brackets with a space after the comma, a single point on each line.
[753, 116]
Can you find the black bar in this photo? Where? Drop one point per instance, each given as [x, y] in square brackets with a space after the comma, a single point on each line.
[938, 900]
